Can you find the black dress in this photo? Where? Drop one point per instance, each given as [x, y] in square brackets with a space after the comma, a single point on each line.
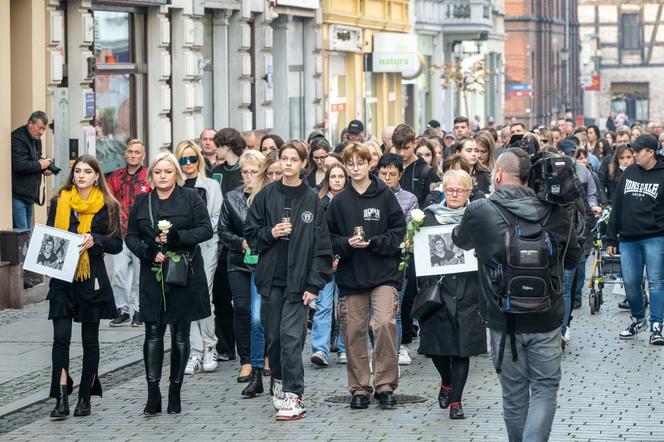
[185, 209]
[90, 300]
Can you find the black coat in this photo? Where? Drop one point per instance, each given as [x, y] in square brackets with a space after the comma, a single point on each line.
[26, 170]
[191, 226]
[309, 251]
[90, 300]
[231, 228]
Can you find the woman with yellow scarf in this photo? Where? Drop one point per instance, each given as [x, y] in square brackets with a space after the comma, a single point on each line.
[84, 206]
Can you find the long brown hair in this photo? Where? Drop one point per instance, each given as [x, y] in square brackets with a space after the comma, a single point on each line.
[325, 185]
[614, 167]
[110, 202]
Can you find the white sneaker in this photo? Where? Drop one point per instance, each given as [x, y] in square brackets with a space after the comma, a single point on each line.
[319, 359]
[193, 366]
[342, 358]
[292, 408]
[210, 360]
[278, 397]
[404, 356]
[568, 335]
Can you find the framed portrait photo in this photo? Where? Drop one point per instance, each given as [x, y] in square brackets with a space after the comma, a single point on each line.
[53, 252]
[436, 254]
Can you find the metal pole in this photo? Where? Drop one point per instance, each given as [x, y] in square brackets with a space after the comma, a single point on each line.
[569, 57]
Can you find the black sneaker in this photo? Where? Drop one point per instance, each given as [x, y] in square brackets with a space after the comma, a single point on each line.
[359, 402]
[624, 305]
[656, 334]
[386, 400]
[634, 328]
[135, 322]
[120, 320]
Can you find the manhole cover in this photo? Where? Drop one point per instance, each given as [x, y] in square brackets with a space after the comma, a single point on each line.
[401, 399]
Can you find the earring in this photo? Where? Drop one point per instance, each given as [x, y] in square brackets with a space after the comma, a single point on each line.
[73, 180]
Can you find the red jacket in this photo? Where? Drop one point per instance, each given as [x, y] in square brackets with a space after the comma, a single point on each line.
[125, 186]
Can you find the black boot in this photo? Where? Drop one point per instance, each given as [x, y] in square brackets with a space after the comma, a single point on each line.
[174, 405]
[255, 383]
[83, 407]
[154, 399]
[61, 409]
[444, 396]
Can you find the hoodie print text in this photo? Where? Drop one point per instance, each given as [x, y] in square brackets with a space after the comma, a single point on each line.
[641, 189]
[372, 214]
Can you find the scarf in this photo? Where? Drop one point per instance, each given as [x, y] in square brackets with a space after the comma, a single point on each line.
[86, 209]
[445, 215]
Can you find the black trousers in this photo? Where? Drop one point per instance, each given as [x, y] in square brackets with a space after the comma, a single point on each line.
[240, 283]
[223, 309]
[153, 350]
[408, 331]
[285, 326]
[60, 356]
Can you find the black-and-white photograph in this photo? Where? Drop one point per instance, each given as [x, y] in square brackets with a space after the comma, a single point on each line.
[435, 252]
[52, 252]
[443, 252]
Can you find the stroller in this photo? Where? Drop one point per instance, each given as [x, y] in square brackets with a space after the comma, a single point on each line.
[606, 268]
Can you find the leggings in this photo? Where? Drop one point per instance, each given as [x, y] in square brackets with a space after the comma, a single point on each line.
[453, 373]
[153, 350]
[60, 356]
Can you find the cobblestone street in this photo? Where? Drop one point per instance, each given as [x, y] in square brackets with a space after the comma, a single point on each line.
[611, 390]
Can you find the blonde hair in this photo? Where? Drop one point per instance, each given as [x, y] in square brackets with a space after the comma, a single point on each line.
[261, 180]
[135, 141]
[252, 156]
[359, 149]
[166, 156]
[200, 164]
[459, 176]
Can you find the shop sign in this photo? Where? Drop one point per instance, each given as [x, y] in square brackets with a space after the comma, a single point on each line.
[519, 90]
[345, 38]
[395, 52]
[305, 4]
[89, 104]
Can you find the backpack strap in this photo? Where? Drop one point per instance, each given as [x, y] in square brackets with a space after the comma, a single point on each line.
[507, 331]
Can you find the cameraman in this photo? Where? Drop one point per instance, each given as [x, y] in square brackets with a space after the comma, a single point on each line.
[531, 368]
[28, 166]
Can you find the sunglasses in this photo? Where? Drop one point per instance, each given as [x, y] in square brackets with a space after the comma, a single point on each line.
[184, 160]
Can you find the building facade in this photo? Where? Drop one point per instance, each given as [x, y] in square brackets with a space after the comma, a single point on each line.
[542, 60]
[366, 50]
[622, 59]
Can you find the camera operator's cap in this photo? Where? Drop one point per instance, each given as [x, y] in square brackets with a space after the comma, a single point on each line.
[434, 124]
[567, 146]
[646, 141]
[355, 127]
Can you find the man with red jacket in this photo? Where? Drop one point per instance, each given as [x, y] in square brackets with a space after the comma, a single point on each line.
[126, 184]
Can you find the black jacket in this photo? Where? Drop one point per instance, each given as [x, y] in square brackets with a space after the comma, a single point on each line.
[92, 299]
[417, 179]
[26, 171]
[638, 205]
[378, 212]
[482, 181]
[191, 226]
[309, 251]
[483, 229]
[231, 228]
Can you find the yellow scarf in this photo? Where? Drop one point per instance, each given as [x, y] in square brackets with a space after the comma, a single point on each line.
[86, 209]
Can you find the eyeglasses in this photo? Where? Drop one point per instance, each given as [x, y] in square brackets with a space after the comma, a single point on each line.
[455, 192]
[184, 160]
[322, 158]
[249, 172]
[358, 165]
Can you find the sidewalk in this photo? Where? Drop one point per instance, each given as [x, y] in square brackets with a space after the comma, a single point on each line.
[25, 354]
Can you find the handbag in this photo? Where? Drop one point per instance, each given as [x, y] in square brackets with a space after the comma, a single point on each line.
[176, 272]
[427, 301]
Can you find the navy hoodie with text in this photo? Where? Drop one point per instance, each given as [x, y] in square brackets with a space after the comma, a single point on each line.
[378, 212]
[638, 205]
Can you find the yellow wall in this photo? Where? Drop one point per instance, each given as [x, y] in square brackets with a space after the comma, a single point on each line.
[5, 118]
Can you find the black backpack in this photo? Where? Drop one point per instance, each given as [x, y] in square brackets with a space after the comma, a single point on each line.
[554, 179]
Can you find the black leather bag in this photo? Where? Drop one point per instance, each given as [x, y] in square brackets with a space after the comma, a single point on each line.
[428, 300]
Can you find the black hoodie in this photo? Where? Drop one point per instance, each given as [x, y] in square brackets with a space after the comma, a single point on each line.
[417, 179]
[638, 205]
[378, 212]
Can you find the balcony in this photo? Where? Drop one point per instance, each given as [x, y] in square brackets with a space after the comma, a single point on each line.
[467, 18]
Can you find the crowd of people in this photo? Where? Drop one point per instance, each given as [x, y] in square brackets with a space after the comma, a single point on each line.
[240, 242]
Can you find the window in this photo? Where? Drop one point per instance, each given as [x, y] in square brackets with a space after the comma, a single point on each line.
[630, 32]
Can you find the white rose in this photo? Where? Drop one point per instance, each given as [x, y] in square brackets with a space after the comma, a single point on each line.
[164, 226]
[417, 215]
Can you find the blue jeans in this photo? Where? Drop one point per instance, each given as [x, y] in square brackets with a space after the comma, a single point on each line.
[21, 214]
[399, 329]
[570, 274]
[322, 323]
[257, 332]
[633, 257]
[529, 384]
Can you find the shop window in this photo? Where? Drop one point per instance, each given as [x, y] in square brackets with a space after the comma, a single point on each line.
[631, 99]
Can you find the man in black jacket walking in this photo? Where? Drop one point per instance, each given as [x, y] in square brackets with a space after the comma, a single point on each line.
[28, 166]
[530, 372]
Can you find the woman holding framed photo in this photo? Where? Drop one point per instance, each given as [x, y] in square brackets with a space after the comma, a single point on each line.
[85, 206]
[453, 333]
[170, 221]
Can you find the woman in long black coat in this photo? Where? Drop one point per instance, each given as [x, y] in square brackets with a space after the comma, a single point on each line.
[456, 331]
[176, 306]
[84, 206]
